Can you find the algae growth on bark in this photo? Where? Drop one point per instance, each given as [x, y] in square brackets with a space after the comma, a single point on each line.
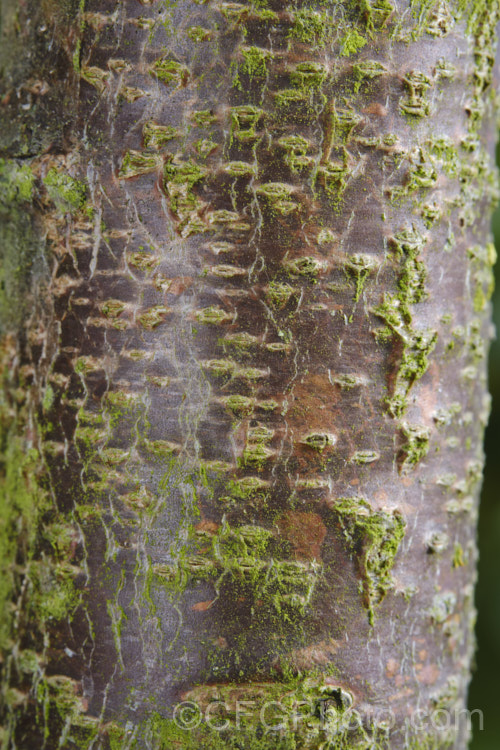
[245, 314]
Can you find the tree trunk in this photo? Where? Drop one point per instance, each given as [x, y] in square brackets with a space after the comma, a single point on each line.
[244, 398]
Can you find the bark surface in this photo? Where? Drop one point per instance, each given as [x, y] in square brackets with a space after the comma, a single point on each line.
[253, 388]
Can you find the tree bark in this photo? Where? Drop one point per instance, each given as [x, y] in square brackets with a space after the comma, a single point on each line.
[243, 426]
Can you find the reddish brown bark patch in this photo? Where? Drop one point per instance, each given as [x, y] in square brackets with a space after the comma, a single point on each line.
[305, 532]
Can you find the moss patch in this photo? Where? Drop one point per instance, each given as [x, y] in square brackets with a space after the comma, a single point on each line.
[67, 193]
[374, 536]
[351, 43]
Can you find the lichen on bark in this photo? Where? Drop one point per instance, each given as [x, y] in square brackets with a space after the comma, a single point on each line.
[258, 371]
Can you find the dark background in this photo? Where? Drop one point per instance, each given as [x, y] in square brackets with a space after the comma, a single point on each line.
[485, 688]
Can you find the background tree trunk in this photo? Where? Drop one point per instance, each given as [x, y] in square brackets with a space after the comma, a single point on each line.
[242, 425]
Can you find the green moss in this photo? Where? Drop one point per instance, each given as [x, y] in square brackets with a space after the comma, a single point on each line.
[142, 261]
[48, 398]
[319, 440]
[256, 455]
[62, 694]
[153, 317]
[360, 265]
[96, 77]
[396, 312]
[408, 243]
[416, 446]
[295, 147]
[289, 97]
[312, 27]
[84, 365]
[367, 69]
[89, 436]
[54, 593]
[304, 266]
[170, 71]
[61, 537]
[351, 43]
[241, 406]
[264, 14]
[375, 537]
[412, 285]
[276, 195]
[458, 556]
[278, 346]
[442, 606]
[333, 178]
[159, 448]
[204, 118]
[198, 34]
[326, 237]
[278, 294]
[255, 61]
[23, 503]
[416, 104]
[29, 661]
[77, 48]
[251, 373]
[430, 742]
[421, 175]
[235, 13]
[219, 367]
[259, 434]
[348, 380]
[112, 308]
[365, 457]
[20, 242]
[342, 122]
[241, 343]
[415, 359]
[244, 120]
[268, 405]
[187, 174]
[67, 193]
[135, 163]
[303, 712]
[223, 216]
[482, 261]
[377, 13]
[156, 136]
[113, 456]
[205, 146]
[470, 142]
[168, 734]
[240, 169]
[431, 213]
[213, 315]
[446, 152]
[247, 487]
[226, 271]
[16, 182]
[255, 538]
[244, 559]
[116, 735]
[478, 13]
[308, 75]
